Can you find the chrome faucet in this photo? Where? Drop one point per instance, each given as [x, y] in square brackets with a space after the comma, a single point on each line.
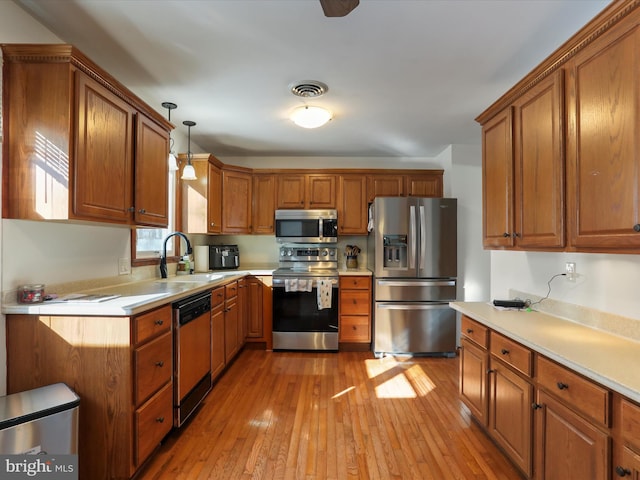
[163, 258]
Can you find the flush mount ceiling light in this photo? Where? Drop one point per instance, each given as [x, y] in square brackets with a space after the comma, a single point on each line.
[188, 172]
[308, 116]
[173, 161]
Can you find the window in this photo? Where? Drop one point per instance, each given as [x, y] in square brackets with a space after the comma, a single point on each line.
[146, 243]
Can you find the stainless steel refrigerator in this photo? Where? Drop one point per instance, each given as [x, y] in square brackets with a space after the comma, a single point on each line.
[412, 250]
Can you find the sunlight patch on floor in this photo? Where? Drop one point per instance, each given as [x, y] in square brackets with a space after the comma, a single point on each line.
[346, 390]
[399, 378]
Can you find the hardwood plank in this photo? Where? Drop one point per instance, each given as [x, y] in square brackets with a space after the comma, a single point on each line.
[291, 415]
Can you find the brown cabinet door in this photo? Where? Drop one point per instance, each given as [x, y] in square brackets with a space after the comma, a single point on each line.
[243, 311]
[102, 180]
[424, 186]
[291, 191]
[352, 205]
[230, 329]
[539, 165]
[151, 174]
[217, 340]
[321, 191]
[567, 445]
[603, 141]
[473, 379]
[629, 466]
[255, 328]
[194, 198]
[264, 203]
[497, 181]
[236, 192]
[510, 414]
[385, 186]
[214, 199]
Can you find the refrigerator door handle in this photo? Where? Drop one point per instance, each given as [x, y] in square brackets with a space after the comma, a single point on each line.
[423, 237]
[413, 306]
[416, 283]
[411, 261]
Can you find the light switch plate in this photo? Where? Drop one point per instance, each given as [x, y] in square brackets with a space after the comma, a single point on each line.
[570, 270]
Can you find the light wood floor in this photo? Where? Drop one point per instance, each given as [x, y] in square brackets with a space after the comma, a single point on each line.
[331, 416]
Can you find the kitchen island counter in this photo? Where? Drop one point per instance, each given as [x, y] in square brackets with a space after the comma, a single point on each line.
[611, 360]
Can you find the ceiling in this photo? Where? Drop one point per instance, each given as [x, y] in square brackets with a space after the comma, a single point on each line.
[406, 78]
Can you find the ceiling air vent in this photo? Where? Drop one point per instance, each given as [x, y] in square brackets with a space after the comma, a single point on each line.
[309, 88]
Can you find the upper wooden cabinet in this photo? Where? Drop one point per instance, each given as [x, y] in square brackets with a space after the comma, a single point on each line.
[497, 181]
[236, 201]
[352, 205]
[200, 200]
[306, 191]
[385, 185]
[523, 171]
[574, 124]
[425, 185]
[603, 141]
[264, 203]
[78, 144]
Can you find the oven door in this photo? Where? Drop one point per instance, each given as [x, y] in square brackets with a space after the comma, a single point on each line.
[298, 322]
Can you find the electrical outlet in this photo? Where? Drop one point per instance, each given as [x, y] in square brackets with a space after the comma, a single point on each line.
[570, 270]
[124, 266]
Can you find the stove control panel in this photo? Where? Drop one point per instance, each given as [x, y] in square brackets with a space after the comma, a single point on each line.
[308, 254]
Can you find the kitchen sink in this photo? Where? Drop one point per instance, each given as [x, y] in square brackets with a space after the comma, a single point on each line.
[196, 277]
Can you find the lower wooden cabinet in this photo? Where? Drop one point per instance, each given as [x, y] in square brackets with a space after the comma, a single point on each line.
[217, 332]
[550, 421]
[120, 367]
[510, 413]
[355, 309]
[568, 445]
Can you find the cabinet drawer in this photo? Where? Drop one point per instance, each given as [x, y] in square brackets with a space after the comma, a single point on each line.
[231, 289]
[512, 353]
[474, 331]
[217, 296]
[152, 366]
[355, 283]
[355, 328]
[151, 324]
[152, 422]
[577, 392]
[355, 302]
[630, 422]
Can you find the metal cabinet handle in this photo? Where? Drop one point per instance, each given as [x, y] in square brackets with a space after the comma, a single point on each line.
[536, 406]
[506, 235]
[160, 419]
[469, 330]
[160, 364]
[490, 371]
[622, 472]
[562, 386]
[504, 351]
[142, 210]
[159, 322]
[131, 209]
[636, 227]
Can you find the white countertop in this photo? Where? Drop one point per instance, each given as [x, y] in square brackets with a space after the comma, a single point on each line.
[608, 359]
[134, 297]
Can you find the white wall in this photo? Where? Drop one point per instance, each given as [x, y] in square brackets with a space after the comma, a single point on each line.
[609, 283]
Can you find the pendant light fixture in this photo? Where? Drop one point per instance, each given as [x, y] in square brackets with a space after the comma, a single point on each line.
[173, 161]
[188, 172]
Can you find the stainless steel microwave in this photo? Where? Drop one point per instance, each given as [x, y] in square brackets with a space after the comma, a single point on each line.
[307, 226]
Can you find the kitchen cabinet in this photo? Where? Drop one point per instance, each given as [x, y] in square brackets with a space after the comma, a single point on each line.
[218, 362]
[236, 201]
[264, 203]
[385, 185]
[121, 367]
[568, 445]
[200, 201]
[626, 447]
[243, 310]
[497, 181]
[354, 309]
[231, 319]
[78, 145]
[352, 205]
[603, 140]
[510, 420]
[474, 363]
[425, 185]
[306, 191]
[255, 327]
